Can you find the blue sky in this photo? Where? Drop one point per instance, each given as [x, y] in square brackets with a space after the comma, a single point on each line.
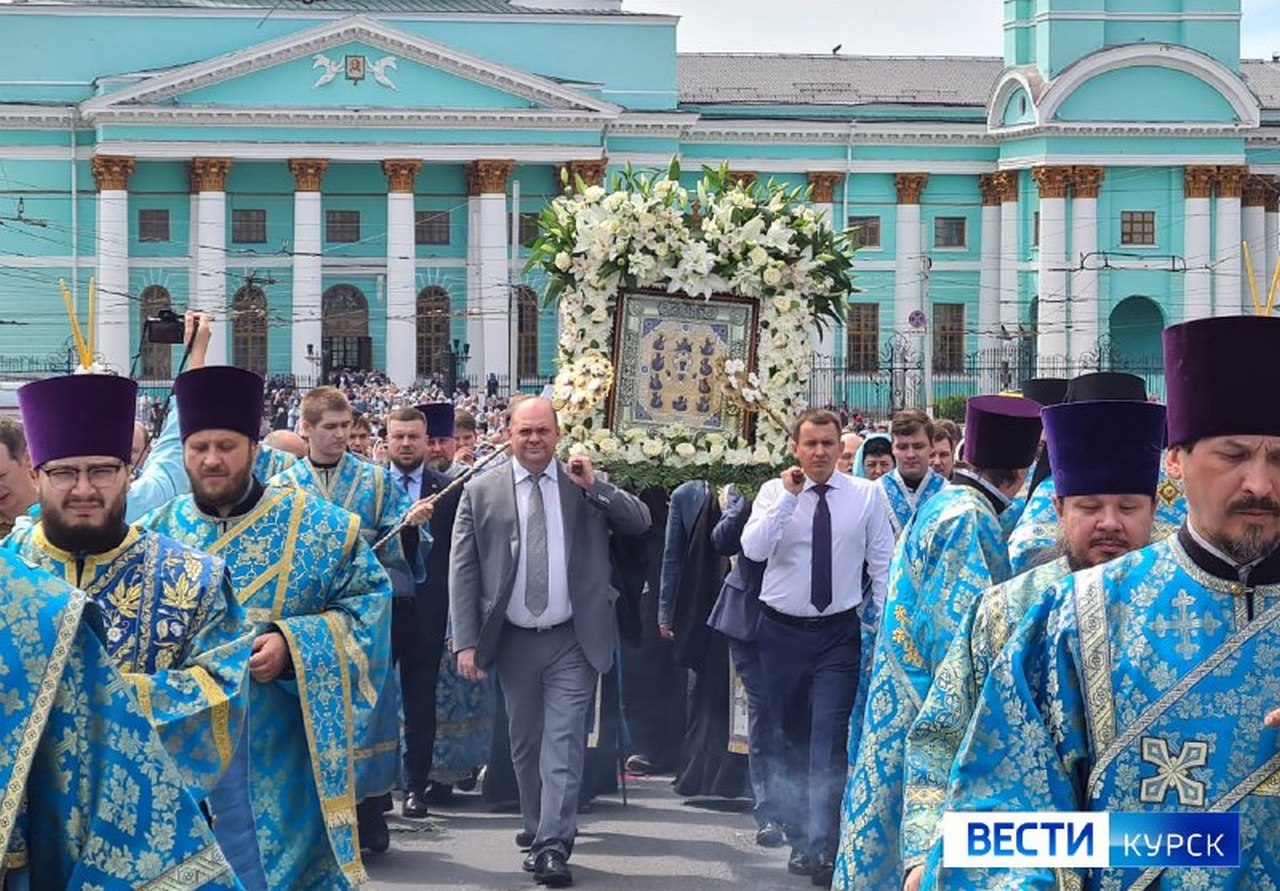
[881, 27]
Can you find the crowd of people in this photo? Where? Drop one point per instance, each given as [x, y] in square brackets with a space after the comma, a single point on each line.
[288, 607]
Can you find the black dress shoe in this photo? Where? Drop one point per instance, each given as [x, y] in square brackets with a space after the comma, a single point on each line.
[801, 864]
[374, 835]
[530, 862]
[770, 835]
[524, 840]
[551, 870]
[823, 871]
[415, 806]
[438, 793]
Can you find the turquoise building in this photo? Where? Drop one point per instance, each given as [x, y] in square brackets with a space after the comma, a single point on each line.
[348, 183]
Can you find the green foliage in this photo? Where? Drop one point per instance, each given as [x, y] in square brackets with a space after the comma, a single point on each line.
[951, 408]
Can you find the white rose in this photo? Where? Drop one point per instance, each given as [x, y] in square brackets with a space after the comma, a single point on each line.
[758, 257]
[772, 276]
[593, 194]
[686, 450]
[652, 448]
[609, 446]
[563, 261]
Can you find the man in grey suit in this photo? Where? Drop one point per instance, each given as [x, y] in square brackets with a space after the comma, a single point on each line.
[530, 596]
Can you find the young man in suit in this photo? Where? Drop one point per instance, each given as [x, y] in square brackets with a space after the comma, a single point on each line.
[530, 597]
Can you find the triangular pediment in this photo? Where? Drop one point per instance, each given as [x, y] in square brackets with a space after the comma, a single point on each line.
[353, 62]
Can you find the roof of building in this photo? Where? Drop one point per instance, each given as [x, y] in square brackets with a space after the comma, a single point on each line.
[1263, 77]
[777, 79]
[492, 7]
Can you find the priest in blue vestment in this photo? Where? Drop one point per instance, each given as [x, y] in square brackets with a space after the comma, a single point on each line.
[1046, 391]
[73, 737]
[912, 482]
[371, 492]
[953, 551]
[319, 604]
[1106, 509]
[1142, 684]
[171, 624]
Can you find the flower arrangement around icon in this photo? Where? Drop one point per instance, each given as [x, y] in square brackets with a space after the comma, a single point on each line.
[647, 239]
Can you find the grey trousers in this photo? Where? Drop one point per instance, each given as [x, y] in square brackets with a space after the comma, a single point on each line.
[548, 684]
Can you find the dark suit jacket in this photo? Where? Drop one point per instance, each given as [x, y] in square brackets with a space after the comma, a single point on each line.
[486, 550]
[737, 609]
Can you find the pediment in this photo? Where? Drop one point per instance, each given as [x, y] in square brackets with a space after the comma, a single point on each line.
[353, 62]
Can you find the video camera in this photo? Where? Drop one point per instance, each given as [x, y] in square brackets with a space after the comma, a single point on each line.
[166, 327]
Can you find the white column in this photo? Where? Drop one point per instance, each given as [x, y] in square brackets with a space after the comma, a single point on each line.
[492, 351]
[306, 329]
[908, 279]
[474, 331]
[112, 329]
[1053, 317]
[209, 177]
[1085, 311]
[402, 340]
[1254, 233]
[1197, 300]
[1010, 276]
[822, 385]
[989, 290]
[1230, 294]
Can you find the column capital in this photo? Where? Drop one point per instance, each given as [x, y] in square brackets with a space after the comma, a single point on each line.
[111, 172]
[209, 174]
[824, 184]
[488, 177]
[744, 178]
[400, 174]
[910, 187]
[1006, 181]
[1197, 182]
[1257, 190]
[1273, 199]
[589, 170]
[992, 194]
[1231, 181]
[1052, 181]
[1086, 181]
[307, 173]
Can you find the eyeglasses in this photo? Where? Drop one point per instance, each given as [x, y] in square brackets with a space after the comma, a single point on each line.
[100, 475]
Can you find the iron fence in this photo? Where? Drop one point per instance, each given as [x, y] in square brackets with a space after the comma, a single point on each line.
[899, 378]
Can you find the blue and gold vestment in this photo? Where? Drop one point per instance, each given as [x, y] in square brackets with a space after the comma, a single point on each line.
[371, 493]
[173, 628]
[299, 564]
[1138, 685]
[270, 462]
[90, 798]
[934, 739]
[903, 502]
[953, 551]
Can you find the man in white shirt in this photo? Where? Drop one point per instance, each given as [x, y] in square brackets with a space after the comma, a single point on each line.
[816, 528]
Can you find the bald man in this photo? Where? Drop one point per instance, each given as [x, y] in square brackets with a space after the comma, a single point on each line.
[849, 445]
[286, 441]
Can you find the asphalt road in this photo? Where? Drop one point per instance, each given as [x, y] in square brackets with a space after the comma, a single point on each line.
[657, 842]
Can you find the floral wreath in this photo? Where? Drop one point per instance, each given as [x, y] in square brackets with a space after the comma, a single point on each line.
[765, 242]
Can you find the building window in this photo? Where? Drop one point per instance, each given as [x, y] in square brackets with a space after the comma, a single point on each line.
[865, 231]
[249, 329]
[528, 228]
[433, 334]
[157, 358]
[249, 226]
[153, 224]
[431, 227]
[1035, 229]
[526, 332]
[948, 338]
[862, 353]
[949, 232]
[1138, 227]
[342, 226]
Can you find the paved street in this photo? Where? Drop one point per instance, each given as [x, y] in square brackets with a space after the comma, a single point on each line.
[656, 843]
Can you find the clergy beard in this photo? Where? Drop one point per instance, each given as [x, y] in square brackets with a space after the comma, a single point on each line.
[232, 494]
[1248, 548]
[85, 540]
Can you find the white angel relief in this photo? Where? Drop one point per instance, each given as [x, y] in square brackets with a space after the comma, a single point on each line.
[379, 69]
[331, 69]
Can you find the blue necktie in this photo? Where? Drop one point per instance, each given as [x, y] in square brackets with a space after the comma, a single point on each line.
[820, 571]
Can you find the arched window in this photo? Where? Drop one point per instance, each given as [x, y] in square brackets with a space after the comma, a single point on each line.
[433, 332]
[526, 332]
[157, 358]
[249, 329]
[345, 329]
